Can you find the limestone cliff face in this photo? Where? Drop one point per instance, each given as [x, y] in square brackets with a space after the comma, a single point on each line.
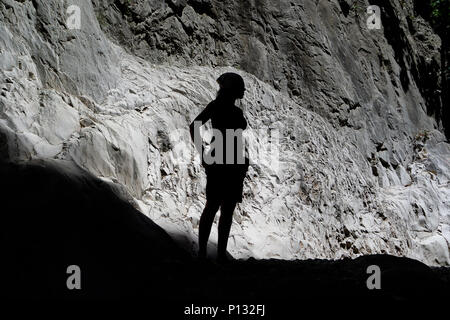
[363, 164]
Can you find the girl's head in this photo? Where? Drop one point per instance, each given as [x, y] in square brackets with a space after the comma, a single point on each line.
[231, 86]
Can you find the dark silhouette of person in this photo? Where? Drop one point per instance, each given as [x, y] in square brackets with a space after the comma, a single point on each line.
[225, 175]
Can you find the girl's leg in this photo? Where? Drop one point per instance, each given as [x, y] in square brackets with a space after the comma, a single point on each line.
[206, 221]
[226, 218]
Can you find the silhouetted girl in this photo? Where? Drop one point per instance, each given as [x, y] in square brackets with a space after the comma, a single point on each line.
[225, 164]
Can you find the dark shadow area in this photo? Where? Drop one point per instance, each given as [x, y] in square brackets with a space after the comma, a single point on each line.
[54, 215]
[431, 77]
[345, 7]
[441, 25]
[396, 37]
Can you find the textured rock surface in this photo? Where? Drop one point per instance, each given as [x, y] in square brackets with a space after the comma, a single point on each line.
[363, 161]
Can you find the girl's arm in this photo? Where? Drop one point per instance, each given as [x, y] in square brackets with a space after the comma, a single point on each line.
[194, 127]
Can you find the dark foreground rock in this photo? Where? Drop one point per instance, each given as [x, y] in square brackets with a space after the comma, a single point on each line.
[54, 215]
